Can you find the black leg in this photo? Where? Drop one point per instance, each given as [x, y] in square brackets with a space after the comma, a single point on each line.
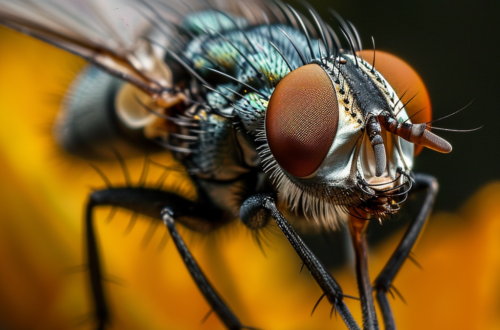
[159, 205]
[95, 274]
[254, 213]
[384, 280]
[357, 228]
[214, 300]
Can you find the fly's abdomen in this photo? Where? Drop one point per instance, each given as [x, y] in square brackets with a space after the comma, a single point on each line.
[88, 125]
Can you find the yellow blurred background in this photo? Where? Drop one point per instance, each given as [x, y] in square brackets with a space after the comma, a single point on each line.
[44, 286]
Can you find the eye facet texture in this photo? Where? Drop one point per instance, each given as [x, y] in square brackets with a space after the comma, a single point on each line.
[302, 120]
[403, 79]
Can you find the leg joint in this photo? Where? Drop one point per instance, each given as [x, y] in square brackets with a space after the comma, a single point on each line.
[254, 211]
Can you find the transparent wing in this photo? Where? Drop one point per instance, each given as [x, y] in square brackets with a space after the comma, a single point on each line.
[107, 33]
[129, 40]
[111, 34]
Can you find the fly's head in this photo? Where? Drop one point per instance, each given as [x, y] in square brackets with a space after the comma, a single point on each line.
[340, 139]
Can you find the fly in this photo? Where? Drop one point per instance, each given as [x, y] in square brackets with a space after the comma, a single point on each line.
[265, 108]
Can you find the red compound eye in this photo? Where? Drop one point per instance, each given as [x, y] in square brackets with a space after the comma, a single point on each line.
[302, 119]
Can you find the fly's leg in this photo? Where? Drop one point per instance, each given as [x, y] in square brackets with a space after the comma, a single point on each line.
[213, 298]
[255, 213]
[357, 227]
[159, 205]
[384, 280]
[95, 273]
